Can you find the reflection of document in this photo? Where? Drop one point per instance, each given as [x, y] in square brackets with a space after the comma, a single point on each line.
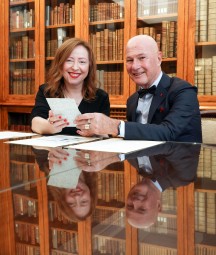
[66, 107]
[65, 175]
[116, 145]
[55, 140]
[13, 134]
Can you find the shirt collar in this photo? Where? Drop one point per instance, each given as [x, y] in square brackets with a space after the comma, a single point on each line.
[156, 82]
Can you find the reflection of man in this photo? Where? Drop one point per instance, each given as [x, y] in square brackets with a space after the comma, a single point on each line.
[143, 204]
[162, 166]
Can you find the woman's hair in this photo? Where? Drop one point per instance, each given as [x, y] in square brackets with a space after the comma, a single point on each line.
[58, 194]
[55, 81]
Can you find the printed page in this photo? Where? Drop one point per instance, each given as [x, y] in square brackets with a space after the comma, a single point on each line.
[14, 134]
[117, 145]
[66, 107]
[54, 140]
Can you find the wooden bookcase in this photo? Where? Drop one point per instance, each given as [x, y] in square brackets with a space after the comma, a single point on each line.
[205, 202]
[24, 70]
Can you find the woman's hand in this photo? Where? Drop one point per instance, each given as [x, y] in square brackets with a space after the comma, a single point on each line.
[56, 122]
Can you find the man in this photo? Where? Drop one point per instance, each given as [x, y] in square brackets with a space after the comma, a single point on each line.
[168, 113]
[163, 166]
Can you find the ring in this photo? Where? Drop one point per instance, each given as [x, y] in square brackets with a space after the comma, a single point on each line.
[89, 121]
[87, 156]
[51, 122]
[87, 126]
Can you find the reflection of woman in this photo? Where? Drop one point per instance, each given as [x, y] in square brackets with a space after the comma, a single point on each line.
[78, 202]
[72, 75]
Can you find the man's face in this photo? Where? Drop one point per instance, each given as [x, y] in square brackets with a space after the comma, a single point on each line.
[143, 204]
[143, 63]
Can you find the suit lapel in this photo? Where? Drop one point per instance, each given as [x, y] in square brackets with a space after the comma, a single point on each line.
[134, 106]
[160, 95]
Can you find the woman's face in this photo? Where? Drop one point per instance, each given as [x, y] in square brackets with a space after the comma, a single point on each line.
[79, 199]
[76, 67]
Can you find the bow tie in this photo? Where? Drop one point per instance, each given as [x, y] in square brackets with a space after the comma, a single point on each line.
[150, 90]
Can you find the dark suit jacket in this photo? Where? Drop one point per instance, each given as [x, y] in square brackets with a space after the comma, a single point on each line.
[173, 164]
[173, 116]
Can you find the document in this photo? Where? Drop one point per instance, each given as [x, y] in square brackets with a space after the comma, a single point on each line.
[14, 134]
[54, 140]
[66, 107]
[66, 175]
[117, 145]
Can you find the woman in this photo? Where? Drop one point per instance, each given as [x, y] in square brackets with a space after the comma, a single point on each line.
[72, 75]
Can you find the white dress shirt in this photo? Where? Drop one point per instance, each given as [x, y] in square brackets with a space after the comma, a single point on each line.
[143, 107]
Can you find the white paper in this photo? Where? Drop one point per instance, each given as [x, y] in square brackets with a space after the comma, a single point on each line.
[66, 107]
[117, 145]
[54, 140]
[66, 175]
[14, 134]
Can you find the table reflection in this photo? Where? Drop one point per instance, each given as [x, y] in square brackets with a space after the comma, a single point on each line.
[87, 202]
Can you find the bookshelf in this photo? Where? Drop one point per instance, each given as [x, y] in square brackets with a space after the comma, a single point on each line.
[32, 30]
[205, 202]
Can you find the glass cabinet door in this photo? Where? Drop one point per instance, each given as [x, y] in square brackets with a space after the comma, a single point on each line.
[205, 203]
[205, 50]
[159, 19]
[22, 48]
[108, 218]
[107, 34]
[59, 21]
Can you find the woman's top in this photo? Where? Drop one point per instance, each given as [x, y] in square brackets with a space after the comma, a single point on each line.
[100, 104]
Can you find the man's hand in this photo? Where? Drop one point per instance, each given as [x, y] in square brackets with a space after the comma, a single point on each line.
[96, 123]
[93, 161]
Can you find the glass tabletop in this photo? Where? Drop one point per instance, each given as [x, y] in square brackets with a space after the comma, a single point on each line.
[159, 200]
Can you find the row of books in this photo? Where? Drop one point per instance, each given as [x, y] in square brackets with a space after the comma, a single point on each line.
[202, 249]
[109, 217]
[64, 13]
[25, 249]
[22, 81]
[55, 214]
[64, 240]
[25, 206]
[23, 173]
[18, 127]
[111, 81]
[166, 37]
[205, 21]
[147, 249]
[156, 7]
[17, 152]
[27, 232]
[111, 187]
[118, 113]
[21, 17]
[108, 44]
[104, 245]
[207, 164]
[107, 11]
[205, 75]
[22, 47]
[205, 212]
[19, 121]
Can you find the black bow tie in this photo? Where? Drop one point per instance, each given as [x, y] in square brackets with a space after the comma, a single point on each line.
[150, 90]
